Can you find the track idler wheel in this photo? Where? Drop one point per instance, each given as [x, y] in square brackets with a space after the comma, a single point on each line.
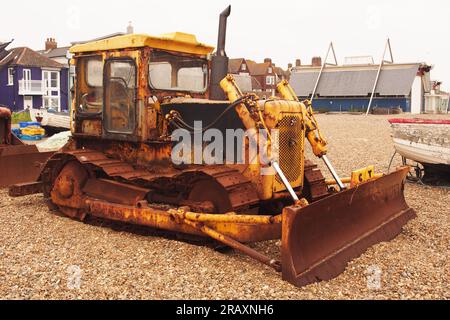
[213, 192]
[67, 192]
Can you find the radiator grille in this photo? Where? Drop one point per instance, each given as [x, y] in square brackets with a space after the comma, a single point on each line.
[291, 145]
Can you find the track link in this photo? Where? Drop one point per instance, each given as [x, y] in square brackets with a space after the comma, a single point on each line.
[240, 191]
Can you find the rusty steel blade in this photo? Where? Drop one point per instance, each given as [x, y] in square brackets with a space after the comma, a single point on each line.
[20, 164]
[319, 240]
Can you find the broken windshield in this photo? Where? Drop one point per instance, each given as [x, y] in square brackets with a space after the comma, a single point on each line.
[177, 73]
[90, 84]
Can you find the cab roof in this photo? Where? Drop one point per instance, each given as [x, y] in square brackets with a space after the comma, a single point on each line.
[177, 41]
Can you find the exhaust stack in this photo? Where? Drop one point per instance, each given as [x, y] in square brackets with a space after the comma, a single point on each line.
[219, 68]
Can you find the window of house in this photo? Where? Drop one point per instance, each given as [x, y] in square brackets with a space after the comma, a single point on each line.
[25, 83]
[27, 102]
[244, 67]
[269, 70]
[10, 76]
[177, 73]
[51, 98]
[270, 80]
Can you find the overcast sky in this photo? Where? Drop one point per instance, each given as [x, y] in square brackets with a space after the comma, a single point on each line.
[283, 29]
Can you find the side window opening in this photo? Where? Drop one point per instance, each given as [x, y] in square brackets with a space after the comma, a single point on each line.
[120, 84]
[90, 85]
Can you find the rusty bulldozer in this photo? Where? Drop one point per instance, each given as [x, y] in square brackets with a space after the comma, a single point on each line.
[133, 91]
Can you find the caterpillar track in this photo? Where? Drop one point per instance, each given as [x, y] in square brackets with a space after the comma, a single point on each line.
[213, 189]
[232, 191]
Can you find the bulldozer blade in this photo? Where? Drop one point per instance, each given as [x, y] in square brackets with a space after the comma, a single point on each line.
[20, 164]
[319, 240]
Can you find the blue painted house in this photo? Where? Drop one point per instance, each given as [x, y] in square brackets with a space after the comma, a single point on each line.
[30, 80]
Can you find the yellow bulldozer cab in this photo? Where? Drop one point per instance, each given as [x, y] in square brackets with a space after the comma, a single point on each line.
[152, 66]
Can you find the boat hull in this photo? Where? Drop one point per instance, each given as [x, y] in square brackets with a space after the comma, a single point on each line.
[423, 141]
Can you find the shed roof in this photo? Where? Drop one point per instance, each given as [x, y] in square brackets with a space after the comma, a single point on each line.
[395, 80]
[178, 41]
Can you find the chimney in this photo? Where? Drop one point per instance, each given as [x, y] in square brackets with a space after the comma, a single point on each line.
[50, 44]
[267, 60]
[130, 29]
[298, 63]
[316, 61]
[289, 66]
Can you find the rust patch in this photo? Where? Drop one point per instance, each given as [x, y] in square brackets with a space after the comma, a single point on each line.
[20, 164]
[24, 189]
[67, 191]
[115, 192]
[91, 127]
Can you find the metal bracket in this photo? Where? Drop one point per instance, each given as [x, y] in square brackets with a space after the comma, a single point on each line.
[383, 61]
[333, 173]
[285, 181]
[324, 64]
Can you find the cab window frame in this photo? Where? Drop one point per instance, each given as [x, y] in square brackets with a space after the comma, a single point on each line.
[133, 63]
[160, 58]
[82, 62]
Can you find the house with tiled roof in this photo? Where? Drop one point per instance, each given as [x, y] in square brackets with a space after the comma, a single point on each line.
[264, 74]
[58, 54]
[31, 80]
[238, 66]
[282, 74]
[62, 56]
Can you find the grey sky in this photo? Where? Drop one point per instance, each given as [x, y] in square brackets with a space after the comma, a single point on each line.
[283, 30]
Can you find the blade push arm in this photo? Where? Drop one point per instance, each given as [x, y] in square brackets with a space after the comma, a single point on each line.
[246, 109]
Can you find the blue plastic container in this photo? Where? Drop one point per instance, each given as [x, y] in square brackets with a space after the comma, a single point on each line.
[31, 138]
[16, 131]
[27, 124]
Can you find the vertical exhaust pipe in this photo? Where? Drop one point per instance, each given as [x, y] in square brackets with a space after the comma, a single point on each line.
[219, 63]
[223, 31]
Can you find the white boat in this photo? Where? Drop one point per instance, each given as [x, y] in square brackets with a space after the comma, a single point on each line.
[55, 120]
[423, 141]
